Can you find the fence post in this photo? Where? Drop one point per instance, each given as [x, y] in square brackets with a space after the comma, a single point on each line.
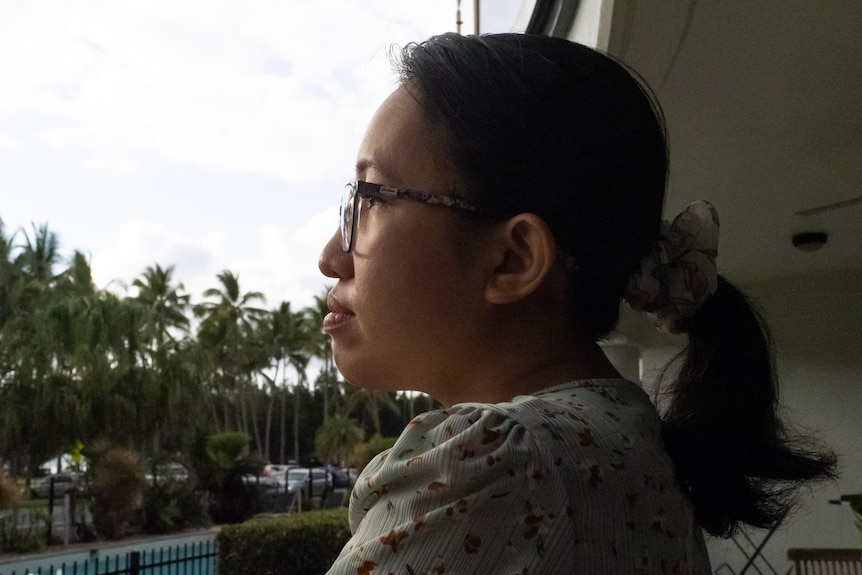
[50, 533]
[135, 563]
[67, 506]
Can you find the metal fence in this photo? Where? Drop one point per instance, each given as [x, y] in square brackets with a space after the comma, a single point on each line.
[199, 558]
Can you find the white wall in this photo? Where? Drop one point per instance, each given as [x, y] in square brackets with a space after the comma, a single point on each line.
[816, 322]
[592, 23]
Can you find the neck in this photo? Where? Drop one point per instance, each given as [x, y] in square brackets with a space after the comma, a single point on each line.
[524, 357]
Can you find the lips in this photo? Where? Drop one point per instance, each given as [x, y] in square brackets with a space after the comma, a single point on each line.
[338, 315]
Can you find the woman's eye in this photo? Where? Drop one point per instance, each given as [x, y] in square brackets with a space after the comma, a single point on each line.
[371, 201]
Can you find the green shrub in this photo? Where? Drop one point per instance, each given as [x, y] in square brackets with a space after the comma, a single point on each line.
[225, 448]
[25, 536]
[337, 438]
[220, 469]
[9, 491]
[375, 445]
[287, 543]
[118, 492]
[172, 505]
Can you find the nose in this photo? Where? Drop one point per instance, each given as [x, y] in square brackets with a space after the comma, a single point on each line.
[334, 262]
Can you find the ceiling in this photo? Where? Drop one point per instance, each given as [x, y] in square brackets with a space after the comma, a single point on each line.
[763, 102]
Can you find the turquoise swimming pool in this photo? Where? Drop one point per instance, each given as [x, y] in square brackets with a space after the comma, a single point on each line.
[185, 554]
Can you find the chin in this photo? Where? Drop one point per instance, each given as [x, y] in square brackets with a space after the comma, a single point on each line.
[356, 376]
[372, 384]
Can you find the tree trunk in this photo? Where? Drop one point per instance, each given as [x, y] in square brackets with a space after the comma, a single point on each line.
[268, 425]
[213, 404]
[241, 415]
[256, 428]
[325, 381]
[283, 426]
[296, 423]
[157, 439]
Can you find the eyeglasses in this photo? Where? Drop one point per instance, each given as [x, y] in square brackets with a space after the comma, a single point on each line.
[350, 214]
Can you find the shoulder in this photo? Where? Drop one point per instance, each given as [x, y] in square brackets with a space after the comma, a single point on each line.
[589, 398]
[472, 446]
[458, 482]
[444, 458]
[463, 436]
[487, 424]
[516, 431]
[517, 484]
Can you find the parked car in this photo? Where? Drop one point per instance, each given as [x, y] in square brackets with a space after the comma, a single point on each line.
[297, 479]
[279, 471]
[262, 483]
[171, 471]
[63, 483]
[352, 475]
[340, 478]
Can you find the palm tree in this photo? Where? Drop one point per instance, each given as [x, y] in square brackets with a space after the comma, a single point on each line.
[320, 346]
[227, 320]
[369, 402]
[231, 303]
[31, 356]
[162, 308]
[40, 254]
[42, 342]
[8, 276]
[166, 306]
[287, 338]
[117, 380]
[336, 439]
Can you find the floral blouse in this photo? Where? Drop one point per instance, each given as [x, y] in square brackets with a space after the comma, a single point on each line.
[571, 480]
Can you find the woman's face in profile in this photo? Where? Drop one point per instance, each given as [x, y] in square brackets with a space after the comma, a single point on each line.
[402, 309]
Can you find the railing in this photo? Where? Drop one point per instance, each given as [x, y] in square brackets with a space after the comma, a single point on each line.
[826, 561]
[188, 559]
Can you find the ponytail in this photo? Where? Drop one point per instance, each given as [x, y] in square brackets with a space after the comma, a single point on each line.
[733, 455]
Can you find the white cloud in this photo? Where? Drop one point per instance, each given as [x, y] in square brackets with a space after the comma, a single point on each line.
[283, 265]
[143, 244]
[193, 82]
[8, 143]
[106, 104]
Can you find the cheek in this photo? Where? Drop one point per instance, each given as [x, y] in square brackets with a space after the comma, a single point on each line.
[395, 277]
[415, 270]
[401, 252]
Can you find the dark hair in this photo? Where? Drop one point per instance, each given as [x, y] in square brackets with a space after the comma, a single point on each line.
[543, 125]
[722, 429]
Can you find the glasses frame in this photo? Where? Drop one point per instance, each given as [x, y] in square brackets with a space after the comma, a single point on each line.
[349, 213]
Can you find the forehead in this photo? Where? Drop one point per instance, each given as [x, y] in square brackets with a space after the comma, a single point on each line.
[402, 147]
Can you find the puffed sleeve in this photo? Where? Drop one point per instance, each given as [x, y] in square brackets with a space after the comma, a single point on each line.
[454, 495]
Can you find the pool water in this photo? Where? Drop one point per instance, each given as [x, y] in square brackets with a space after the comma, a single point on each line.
[159, 556]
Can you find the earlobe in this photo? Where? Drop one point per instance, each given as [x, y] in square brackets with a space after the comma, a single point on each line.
[525, 253]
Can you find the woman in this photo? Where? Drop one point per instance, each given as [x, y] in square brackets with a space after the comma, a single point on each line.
[508, 196]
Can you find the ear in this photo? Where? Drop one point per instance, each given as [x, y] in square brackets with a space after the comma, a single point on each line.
[524, 252]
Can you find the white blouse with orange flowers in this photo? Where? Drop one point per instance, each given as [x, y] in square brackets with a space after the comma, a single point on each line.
[571, 480]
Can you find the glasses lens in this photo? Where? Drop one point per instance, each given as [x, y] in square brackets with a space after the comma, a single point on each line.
[348, 200]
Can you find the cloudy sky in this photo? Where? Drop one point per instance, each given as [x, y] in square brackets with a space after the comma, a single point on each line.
[204, 134]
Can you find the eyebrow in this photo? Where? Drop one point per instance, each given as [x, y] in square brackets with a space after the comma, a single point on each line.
[366, 164]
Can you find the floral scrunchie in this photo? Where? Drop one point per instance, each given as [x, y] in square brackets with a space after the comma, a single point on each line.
[679, 274]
